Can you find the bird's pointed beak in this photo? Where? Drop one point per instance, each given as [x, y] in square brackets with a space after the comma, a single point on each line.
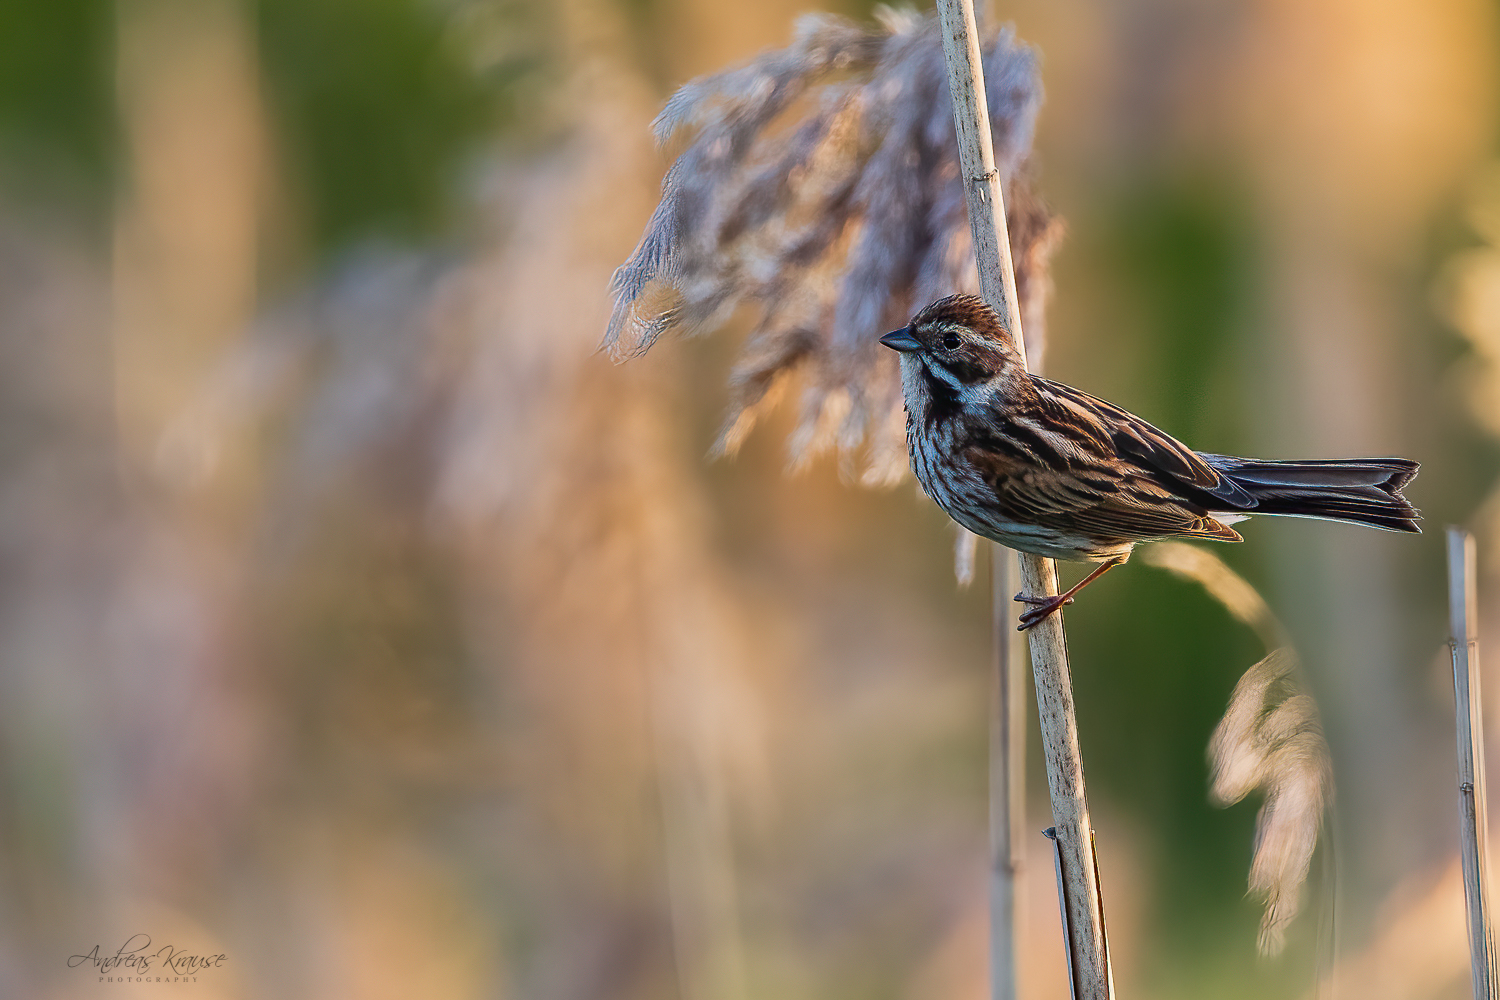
[901, 340]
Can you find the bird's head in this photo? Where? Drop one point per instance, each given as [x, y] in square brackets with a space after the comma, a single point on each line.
[954, 349]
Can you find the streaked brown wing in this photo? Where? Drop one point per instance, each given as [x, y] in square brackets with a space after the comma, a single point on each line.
[1136, 439]
[1075, 504]
[1116, 519]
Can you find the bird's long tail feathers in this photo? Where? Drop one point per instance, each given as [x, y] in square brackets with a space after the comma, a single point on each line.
[1362, 490]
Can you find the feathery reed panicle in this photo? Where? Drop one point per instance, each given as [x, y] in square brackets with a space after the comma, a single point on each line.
[1270, 739]
[836, 227]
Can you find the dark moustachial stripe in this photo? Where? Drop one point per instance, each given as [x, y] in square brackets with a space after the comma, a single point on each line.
[945, 403]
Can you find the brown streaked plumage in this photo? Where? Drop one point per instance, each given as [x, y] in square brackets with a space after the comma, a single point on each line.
[1041, 467]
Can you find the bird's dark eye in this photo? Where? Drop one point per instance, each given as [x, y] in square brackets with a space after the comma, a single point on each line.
[950, 341]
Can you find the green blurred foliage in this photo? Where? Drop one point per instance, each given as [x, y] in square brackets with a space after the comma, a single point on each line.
[1154, 658]
[376, 107]
[1463, 462]
[56, 97]
[1185, 248]
[1154, 662]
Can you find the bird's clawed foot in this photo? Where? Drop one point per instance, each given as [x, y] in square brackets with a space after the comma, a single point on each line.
[1043, 606]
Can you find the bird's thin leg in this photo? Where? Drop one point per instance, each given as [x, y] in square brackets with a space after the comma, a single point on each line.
[1047, 605]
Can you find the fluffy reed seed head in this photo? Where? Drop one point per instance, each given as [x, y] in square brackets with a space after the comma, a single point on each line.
[821, 183]
[1270, 740]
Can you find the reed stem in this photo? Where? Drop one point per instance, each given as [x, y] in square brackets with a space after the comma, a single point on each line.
[1473, 832]
[1081, 903]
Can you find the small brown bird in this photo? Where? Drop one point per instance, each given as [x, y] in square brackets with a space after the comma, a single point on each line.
[1041, 467]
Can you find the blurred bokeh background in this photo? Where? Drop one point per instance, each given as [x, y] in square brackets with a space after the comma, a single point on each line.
[360, 622]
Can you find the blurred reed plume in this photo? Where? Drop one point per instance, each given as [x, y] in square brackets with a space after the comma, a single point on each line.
[821, 182]
[1270, 739]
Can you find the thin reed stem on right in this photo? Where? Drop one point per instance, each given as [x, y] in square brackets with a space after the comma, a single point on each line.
[1473, 825]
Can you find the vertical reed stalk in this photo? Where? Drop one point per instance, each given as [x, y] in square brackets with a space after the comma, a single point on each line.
[1473, 826]
[1082, 905]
